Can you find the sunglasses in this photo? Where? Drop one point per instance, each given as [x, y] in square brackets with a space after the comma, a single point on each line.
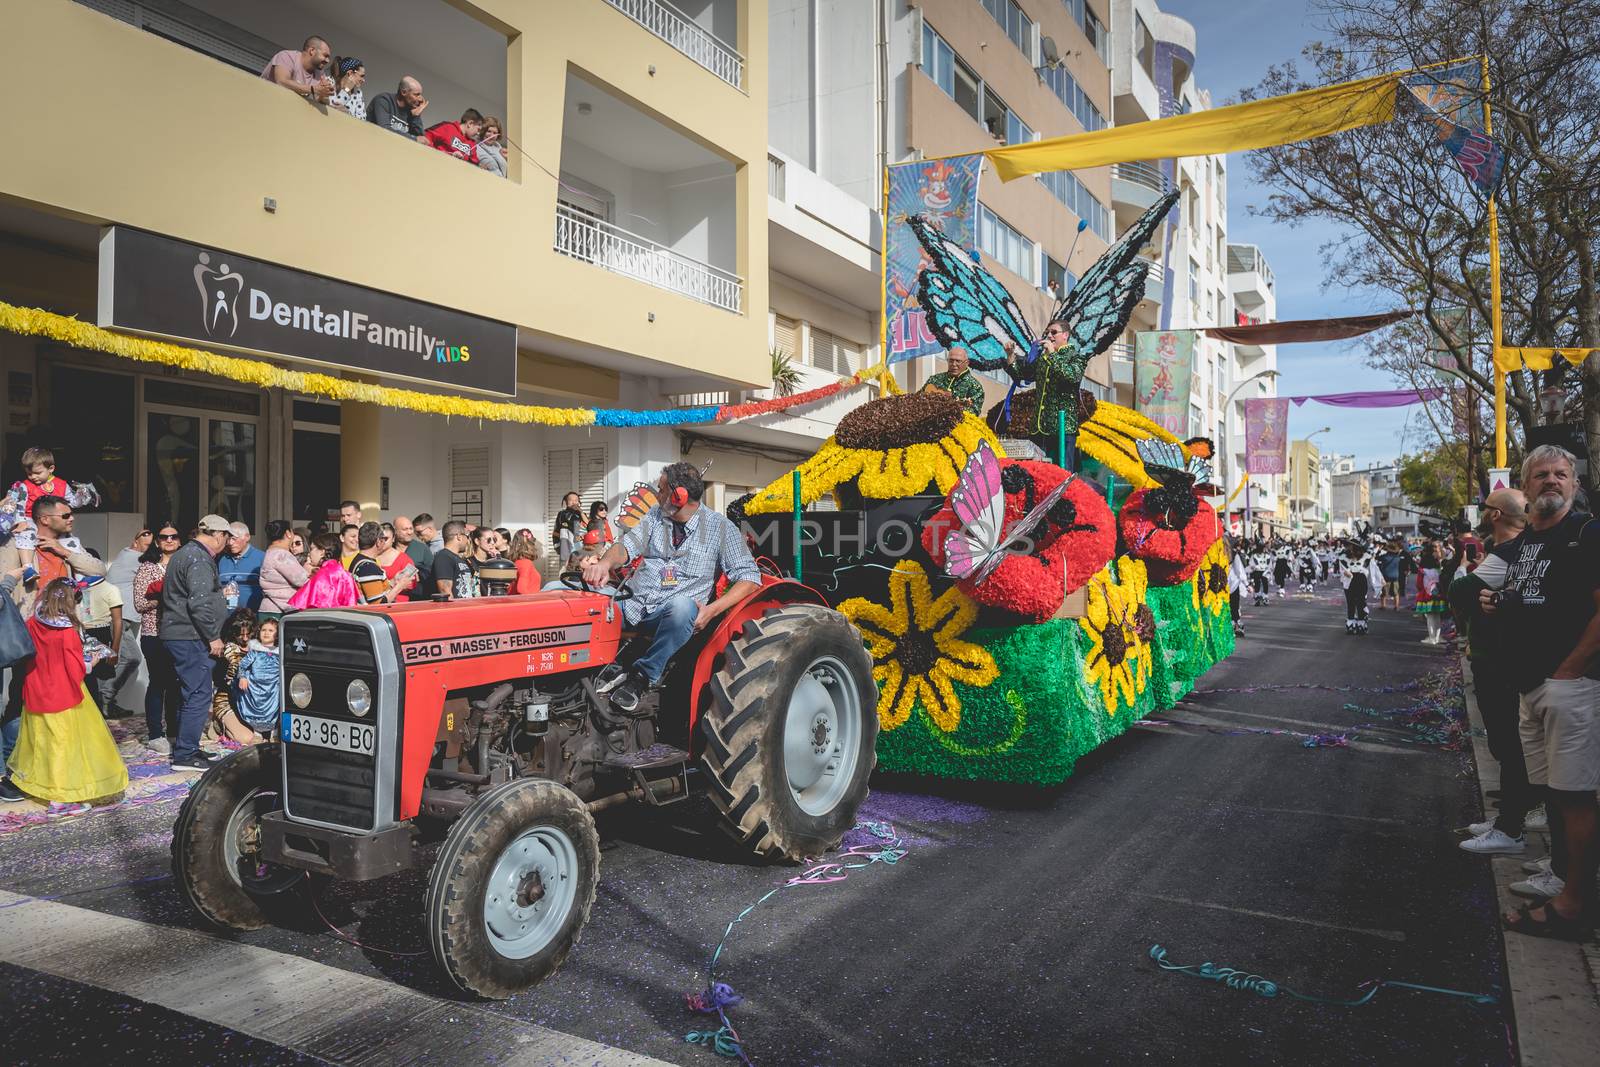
[167, 537]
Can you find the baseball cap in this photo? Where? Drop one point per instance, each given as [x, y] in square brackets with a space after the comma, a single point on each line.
[213, 524]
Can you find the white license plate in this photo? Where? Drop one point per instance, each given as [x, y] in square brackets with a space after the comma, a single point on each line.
[328, 733]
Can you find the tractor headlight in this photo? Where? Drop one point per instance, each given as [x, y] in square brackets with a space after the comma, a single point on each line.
[358, 697]
[300, 690]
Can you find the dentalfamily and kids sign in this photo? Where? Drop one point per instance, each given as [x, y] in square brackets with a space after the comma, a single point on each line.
[156, 285]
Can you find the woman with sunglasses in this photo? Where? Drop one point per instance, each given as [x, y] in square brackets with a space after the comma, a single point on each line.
[281, 572]
[161, 695]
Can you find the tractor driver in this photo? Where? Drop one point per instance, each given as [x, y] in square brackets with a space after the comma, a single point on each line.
[681, 546]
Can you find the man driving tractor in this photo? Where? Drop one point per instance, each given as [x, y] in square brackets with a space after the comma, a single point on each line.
[681, 547]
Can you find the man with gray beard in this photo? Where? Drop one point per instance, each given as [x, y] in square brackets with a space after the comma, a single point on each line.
[1550, 602]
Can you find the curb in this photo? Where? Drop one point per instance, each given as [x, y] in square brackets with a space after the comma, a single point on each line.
[1555, 985]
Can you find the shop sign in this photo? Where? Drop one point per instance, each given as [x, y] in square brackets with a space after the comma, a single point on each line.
[152, 284]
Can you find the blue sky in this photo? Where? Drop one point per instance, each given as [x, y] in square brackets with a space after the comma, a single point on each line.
[1235, 42]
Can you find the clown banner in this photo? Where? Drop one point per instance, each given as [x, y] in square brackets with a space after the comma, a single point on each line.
[1163, 366]
[1266, 435]
[945, 192]
[1454, 97]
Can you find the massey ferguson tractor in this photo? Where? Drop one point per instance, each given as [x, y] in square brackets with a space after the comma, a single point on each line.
[471, 731]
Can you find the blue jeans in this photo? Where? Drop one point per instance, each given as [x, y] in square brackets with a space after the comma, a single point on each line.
[193, 663]
[13, 726]
[669, 628]
[161, 694]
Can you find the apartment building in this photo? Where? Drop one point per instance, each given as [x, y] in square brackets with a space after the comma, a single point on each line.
[623, 262]
[1309, 489]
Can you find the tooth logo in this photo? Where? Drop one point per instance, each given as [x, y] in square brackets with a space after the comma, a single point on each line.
[219, 297]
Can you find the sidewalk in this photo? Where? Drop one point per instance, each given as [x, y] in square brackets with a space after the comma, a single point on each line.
[1555, 985]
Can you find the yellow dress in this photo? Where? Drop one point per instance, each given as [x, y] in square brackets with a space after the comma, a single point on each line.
[68, 755]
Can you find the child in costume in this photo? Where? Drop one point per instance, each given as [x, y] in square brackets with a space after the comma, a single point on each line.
[39, 464]
[1358, 573]
[64, 754]
[1308, 569]
[1431, 604]
[225, 718]
[258, 681]
[1260, 563]
[1280, 572]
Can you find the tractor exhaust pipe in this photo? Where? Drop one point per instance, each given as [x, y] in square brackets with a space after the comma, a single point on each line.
[660, 788]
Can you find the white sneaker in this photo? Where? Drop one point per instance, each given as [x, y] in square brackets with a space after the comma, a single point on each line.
[159, 745]
[1540, 887]
[1538, 866]
[1537, 819]
[1495, 843]
[1478, 829]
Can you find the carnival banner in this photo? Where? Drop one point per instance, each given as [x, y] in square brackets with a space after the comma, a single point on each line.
[1266, 435]
[1453, 96]
[945, 191]
[1163, 366]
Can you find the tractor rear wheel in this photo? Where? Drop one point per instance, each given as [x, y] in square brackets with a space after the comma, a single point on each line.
[512, 887]
[216, 842]
[791, 730]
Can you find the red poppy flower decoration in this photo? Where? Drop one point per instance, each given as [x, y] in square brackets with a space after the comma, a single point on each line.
[1072, 542]
[1170, 536]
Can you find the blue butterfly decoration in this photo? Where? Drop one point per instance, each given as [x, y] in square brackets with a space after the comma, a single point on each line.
[966, 307]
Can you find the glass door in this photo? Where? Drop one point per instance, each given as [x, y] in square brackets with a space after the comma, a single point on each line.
[173, 468]
[200, 453]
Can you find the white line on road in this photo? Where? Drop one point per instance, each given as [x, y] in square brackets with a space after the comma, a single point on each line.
[1220, 802]
[1194, 719]
[322, 1011]
[1387, 935]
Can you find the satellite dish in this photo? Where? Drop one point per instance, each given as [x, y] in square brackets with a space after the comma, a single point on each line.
[1047, 49]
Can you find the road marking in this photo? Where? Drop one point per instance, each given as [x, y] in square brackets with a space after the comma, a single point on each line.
[1387, 935]
[322, 1011]
[1322, 727]
[1324, 651]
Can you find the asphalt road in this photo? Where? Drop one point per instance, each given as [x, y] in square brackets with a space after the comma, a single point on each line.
[1016, 929]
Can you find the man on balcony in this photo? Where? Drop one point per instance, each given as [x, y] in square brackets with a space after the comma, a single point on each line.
[400, 111]
[959, 381]
[302, 72]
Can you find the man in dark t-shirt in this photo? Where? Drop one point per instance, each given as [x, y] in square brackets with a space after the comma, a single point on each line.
[451, 574]
[1549, 597]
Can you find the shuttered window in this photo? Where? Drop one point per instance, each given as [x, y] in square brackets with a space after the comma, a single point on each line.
[834, 354]
[469, 483]
[582, 469]
[786, 335]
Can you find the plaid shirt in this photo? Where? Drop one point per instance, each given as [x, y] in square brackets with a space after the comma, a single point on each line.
[713, 543]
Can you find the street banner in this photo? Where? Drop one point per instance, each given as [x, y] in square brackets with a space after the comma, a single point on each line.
[944, 191]
[1163, 366]
[1266, 435]
[1453, 96]
[1447, 345]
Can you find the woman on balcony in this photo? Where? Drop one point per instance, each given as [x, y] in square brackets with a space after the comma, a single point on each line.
[349, 76]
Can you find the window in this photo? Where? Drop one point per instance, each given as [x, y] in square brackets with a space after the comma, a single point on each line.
[1018, 26]
[1071, 94]
[469, 483]
[939, 62]
[786, 336]
[1017, 131]
[1144, 46]
[1070, 191]
[90, 430]
[1194, 281]
[1058, 281]
[1002, 242]
[580, 470]
[834, 354]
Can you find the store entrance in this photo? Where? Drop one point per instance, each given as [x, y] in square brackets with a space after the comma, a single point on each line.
[200, 445]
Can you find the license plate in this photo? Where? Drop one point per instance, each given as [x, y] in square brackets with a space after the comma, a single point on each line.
[328, 733]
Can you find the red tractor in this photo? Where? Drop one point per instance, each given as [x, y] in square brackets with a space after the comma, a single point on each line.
[477, 721]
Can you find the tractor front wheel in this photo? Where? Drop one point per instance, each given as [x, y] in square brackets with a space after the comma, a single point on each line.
[791, 730]
[216, 842]
[512, 887]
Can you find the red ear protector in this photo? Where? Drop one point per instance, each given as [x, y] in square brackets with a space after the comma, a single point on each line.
[679, 497]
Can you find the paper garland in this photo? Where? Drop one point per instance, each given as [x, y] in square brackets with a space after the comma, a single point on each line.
[34, 322]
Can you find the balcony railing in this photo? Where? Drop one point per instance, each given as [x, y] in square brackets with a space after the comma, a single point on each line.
[1146, 174]
[1154, 280]
[596, 241]
[675, 28]
[777, 181]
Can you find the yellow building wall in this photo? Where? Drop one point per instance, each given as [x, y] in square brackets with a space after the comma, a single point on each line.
[166, 139]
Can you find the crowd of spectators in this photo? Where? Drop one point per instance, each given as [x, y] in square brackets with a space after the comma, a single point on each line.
[338, 84]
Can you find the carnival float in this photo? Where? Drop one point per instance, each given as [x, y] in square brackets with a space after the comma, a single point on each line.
[1019, 612]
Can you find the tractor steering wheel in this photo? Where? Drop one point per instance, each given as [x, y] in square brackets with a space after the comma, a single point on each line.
[576, 583]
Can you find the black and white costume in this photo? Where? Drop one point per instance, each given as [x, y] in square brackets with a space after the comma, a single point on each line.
[1260, 563]
[1280, 571]
[1358, 574]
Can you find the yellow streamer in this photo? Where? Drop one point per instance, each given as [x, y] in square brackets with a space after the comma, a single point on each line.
[1510, 359]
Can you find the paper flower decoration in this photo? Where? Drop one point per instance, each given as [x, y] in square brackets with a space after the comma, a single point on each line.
[1073, 541]
[1211, 580]
[917, 649]
[894, 447]
[1119, 656]
[1172, 555]
[1110, 435]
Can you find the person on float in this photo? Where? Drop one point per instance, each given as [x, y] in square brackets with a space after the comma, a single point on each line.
[1057, 371]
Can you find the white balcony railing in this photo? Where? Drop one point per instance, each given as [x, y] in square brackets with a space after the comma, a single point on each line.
[596, 241]
[777, 179]
[675, 28]
[1154, 280]
[1139, 173]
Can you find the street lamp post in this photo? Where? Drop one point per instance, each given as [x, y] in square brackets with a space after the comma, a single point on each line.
[1227, 441]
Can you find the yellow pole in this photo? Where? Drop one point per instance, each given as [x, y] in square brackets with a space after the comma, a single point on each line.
[883, 287]
[1494, 295]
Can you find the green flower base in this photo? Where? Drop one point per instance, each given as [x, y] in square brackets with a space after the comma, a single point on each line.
[1041, 715]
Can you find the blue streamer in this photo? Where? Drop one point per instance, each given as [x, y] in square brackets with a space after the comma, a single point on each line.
[1255, 983]
[674, 417]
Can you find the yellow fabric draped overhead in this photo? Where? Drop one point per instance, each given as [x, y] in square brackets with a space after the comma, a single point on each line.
[1236, 128]
[1510, 359]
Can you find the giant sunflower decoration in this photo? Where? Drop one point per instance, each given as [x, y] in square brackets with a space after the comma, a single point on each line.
[1119, 653]
[890, 448]
[1210, 582]
[917, 649]
[1110, 435]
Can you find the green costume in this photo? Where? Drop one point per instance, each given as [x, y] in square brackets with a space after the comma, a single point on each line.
[1059, 375]
[964, 387]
